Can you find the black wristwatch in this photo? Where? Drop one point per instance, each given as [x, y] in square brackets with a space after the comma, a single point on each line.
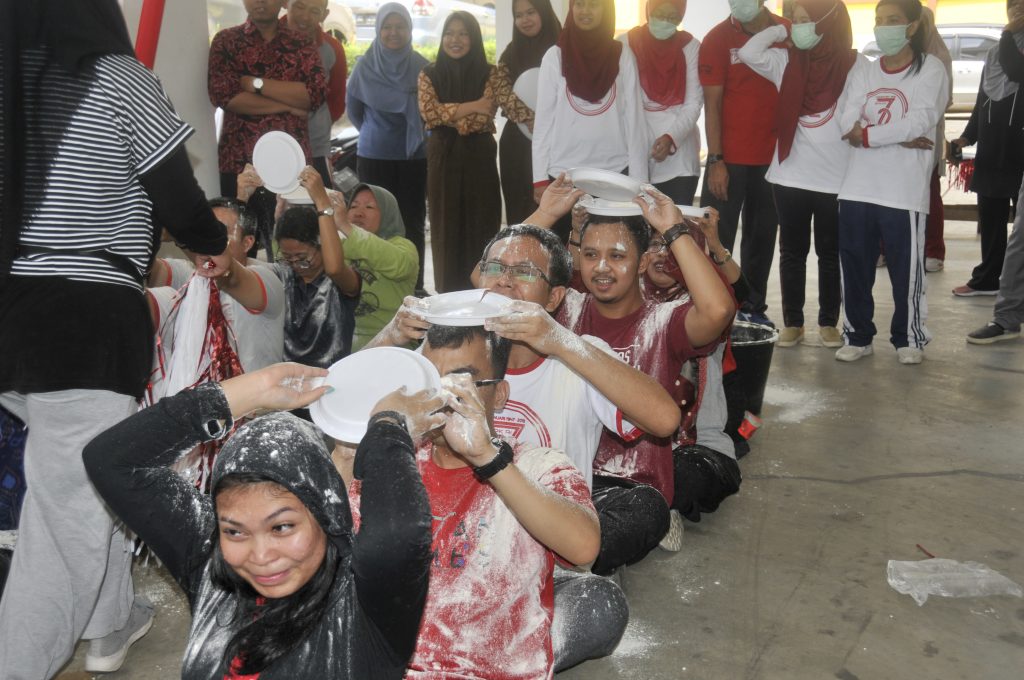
[674, 232]
[499, 463]
[714, 158]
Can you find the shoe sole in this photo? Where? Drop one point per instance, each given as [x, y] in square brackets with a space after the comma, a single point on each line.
[856, 358]
[790, 343]
[976, 293]
[109, 664]
[910, 362]
[994, 339]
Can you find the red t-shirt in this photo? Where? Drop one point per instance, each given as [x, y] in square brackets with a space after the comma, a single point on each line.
[491, 599]
[652, 340]
[748, 100]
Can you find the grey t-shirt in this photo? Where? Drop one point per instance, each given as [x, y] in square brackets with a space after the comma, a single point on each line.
[320, 120]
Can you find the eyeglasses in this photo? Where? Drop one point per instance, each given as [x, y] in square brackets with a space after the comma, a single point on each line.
[656, 246]
[304, 261]
[489, 381]
[524, 273]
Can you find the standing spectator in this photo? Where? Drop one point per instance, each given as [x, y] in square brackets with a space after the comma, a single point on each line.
[382, 106]
[1009, 310]
[535, 30]
[891, 110]
[457, 98]
[589, 107]
[739, 119]
[306, 17]
[667, 61]
[810, 156]
[934, 241]
[997, 127]
[93, 153]
[265, 77]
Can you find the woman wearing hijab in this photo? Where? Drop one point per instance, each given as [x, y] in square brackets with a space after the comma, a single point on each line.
[997, 127]
[457, 99]
[673, 98]
[381, 103]
[810, 155]
[589, 106]
[278, 584]
[536, 29]
[93, 155]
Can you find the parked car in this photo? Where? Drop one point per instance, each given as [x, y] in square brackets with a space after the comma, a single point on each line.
[967, 44]
[227, 13]
[428, 18]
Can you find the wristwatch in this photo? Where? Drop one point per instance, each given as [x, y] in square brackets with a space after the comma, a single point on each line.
[725, 258]
[326, 212]
[714, 158]
[257, 85]
[674, 232]
[499, 463]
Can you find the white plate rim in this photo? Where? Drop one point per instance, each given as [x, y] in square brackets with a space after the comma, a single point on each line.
[607, 176]
[469, 294]
[292, 145]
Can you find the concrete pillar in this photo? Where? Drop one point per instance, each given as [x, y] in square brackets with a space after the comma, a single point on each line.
[181, 66]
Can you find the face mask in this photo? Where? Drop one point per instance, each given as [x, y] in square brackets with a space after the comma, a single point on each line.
[804, 36]
[661, 29]
[891, 39]
[745, 10]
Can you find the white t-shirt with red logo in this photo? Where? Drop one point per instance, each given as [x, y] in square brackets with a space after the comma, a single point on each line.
[893, 107]
[549, 405]
[491, 599]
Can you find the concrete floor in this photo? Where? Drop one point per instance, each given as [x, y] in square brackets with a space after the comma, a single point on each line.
[856, 463]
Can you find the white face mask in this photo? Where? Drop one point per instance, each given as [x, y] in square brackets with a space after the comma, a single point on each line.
[745, 10]
[661, 29]
[805, 36]
[891, 39]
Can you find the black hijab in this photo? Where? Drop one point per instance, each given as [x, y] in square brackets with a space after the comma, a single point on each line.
[524, 53]
[73, 33]
[461, 80]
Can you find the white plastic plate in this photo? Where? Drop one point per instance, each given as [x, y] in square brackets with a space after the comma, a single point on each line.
[278, 160]
[464, 307]
[610, 186]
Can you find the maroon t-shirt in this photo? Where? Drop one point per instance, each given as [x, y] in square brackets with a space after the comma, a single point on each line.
[653, 340]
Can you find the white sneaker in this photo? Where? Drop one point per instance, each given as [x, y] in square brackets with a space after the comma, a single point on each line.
[852, 352]
[909, 355]
[107, 654]
[673, 541]
[933, 264]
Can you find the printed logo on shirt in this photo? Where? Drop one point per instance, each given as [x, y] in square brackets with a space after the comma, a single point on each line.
[585, 108]
[625, 353]
[520, 422]
[885, 105]
[454, 543]
[734, 56]
[817, 120]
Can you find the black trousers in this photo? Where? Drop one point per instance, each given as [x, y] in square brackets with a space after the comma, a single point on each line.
[703, 479]
[407, 180]
[680, 189]
[634, 518]
[750, 195]
[993, 216]
[801, 212]
[591, 614]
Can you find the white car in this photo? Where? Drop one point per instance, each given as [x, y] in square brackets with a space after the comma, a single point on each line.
[967, 44]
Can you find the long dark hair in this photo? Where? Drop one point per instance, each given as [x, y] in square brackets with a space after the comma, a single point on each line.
[919, 41]
[273, 629]
[525, 53]
[461, 80]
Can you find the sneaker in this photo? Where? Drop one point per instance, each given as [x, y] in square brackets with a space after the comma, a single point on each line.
[790, 335]
[830, 336]
[107, 654]
[989, 333]
[852, 352]
[755, 317]
[967, 291]
[881, 261]
[673, 541]
[909, 355]
[933, 264]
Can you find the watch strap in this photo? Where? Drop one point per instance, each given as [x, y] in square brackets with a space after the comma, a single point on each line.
[714, 158]
[498, 463]
[674, 232]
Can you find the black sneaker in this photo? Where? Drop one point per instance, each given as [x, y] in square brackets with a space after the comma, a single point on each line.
[991, 332]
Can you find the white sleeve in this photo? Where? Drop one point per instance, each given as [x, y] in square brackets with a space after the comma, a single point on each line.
[544, 116]
[689, 112]
[636, 127]
[607, 412]
[926, 107]
[767, 61]
[181, 271]
[853, 95]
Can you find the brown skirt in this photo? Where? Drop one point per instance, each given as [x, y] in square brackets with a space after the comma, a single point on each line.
[464, 203]
[516, 159]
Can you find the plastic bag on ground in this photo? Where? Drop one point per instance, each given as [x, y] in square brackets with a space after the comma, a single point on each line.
[948, 578]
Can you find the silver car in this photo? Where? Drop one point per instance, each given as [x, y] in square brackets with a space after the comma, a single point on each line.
[967, 44]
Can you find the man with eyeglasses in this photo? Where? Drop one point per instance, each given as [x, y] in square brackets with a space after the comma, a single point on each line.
[251, 295]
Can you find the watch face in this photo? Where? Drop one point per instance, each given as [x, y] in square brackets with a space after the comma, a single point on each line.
[257, 83]
[327, 211]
